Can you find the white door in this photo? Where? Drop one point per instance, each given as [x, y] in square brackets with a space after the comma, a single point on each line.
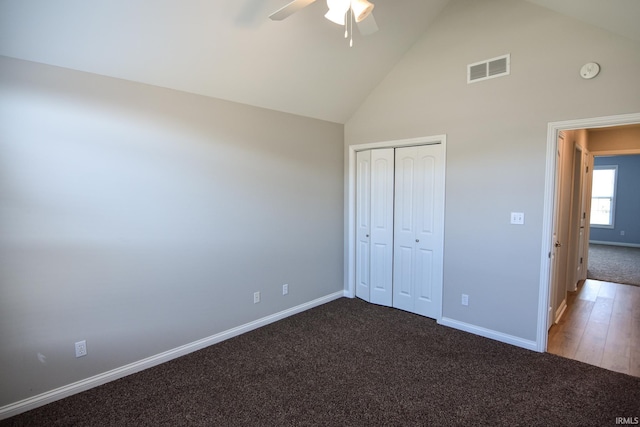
[583, 245]
[575, 232]
[578, 217]
[557, 272]
[363, 223]
[419, 229]
[374, 226]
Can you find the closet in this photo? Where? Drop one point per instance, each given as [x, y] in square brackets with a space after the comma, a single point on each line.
[400, 227]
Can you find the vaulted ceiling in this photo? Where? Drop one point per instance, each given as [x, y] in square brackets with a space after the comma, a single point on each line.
[229, 49]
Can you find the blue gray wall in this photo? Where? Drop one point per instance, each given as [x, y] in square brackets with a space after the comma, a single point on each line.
[143, 219]
[627, 209]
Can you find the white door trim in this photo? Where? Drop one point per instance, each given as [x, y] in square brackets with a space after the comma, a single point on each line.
[553, 130]
[349, 284]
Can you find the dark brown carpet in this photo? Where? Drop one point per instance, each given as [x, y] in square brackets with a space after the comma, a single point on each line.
[617, 264]
[349, 363]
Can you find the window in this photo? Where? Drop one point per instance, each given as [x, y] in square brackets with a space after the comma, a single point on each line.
[603, 196]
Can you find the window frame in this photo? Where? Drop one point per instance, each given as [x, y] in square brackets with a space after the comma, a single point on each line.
[612, 212]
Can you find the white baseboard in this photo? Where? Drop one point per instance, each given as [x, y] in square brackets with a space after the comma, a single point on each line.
[626, 245]
[489, 333]
[42, 399]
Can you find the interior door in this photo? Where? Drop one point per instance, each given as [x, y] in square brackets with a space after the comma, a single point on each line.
[576, 231]
[363, 223]
[586, 199]
[419, 229]
[381, 261]
[558, 273]
[583, 244]
[579, 196]
[374, 225]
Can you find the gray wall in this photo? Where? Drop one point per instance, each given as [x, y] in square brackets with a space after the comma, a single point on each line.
[496, 138]
[142, 219]
[627, 209]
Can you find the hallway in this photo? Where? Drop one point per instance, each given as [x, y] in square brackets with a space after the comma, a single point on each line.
[601, 326]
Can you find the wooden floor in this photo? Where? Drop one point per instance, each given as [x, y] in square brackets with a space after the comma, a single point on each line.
[601, 326]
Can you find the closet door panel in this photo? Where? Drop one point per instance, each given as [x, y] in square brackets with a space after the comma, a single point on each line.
[404, 193]
[363, 222]
[425, 194]
[380, 269]
[405, 229]
[424, 280]
[374, 225]
[381, 285]
[403, 278]
[419, 229]
[430, 230]
[424, 214]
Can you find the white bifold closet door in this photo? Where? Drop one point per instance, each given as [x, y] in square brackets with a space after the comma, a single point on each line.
[374, 225]
[400, 227]
[419, 229]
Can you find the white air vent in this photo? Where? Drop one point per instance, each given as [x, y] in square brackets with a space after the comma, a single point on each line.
[489, 69]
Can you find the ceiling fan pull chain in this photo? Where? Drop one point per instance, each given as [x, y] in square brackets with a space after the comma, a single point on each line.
[351, 41]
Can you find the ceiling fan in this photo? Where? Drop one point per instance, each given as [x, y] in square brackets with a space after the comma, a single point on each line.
[339, 11]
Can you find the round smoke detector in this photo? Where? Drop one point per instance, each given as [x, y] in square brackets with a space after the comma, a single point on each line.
[589, 70]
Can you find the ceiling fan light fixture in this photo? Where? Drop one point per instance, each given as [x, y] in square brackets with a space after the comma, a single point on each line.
[361, 9]
[337, 10]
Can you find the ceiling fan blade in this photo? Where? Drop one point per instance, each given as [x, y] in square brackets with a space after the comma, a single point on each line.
[367, 26]
[289, 9]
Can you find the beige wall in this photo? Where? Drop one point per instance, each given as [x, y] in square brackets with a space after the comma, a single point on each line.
[497, 139]
[625, 138]
[142, 219]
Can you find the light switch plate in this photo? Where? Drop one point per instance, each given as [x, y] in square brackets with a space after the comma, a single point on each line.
[517, 218]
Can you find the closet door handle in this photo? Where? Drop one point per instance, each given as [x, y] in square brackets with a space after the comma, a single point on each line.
[367, 235]
[417, 240]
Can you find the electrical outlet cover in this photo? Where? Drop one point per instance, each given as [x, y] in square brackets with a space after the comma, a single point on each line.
[81, 348]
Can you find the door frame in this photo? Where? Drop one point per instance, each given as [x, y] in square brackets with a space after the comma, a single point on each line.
[553, 130]
[350, 265]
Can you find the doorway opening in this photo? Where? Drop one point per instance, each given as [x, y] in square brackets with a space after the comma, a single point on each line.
[614, 246]
[568, 298]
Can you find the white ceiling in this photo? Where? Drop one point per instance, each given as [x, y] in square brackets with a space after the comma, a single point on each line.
[228, 49]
